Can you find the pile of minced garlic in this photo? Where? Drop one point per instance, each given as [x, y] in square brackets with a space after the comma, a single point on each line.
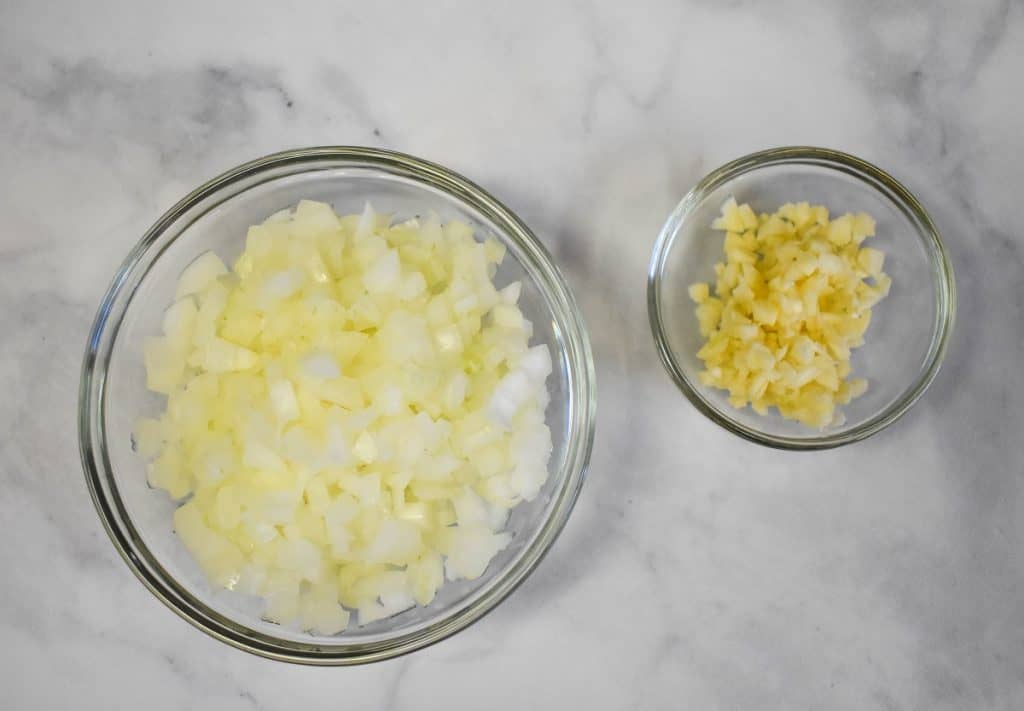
[792, 299]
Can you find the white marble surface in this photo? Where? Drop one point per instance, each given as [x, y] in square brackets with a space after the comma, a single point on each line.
[698, 571]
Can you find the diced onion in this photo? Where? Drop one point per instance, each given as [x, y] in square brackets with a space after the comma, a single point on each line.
[354, 410]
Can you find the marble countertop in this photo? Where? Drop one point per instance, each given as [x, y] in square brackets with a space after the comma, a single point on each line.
[698, 571]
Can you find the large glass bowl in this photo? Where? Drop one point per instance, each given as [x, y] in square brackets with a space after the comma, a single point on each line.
[215, 216]
[906, 340]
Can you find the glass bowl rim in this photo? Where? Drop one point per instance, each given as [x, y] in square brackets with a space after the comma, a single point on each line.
[868, 174]
[580, 403]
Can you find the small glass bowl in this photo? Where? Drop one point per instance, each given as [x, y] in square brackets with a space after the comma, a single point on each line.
[909, 330]
[215, 216]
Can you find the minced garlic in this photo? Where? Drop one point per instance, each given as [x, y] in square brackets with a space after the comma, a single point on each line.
[792, 299]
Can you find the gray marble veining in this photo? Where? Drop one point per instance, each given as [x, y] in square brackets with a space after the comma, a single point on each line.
[698, 571]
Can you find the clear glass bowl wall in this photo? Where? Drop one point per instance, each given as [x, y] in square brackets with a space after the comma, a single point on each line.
[216, 217]
[909, 329]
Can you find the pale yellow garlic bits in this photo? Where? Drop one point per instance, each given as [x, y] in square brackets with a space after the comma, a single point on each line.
[792, 299]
